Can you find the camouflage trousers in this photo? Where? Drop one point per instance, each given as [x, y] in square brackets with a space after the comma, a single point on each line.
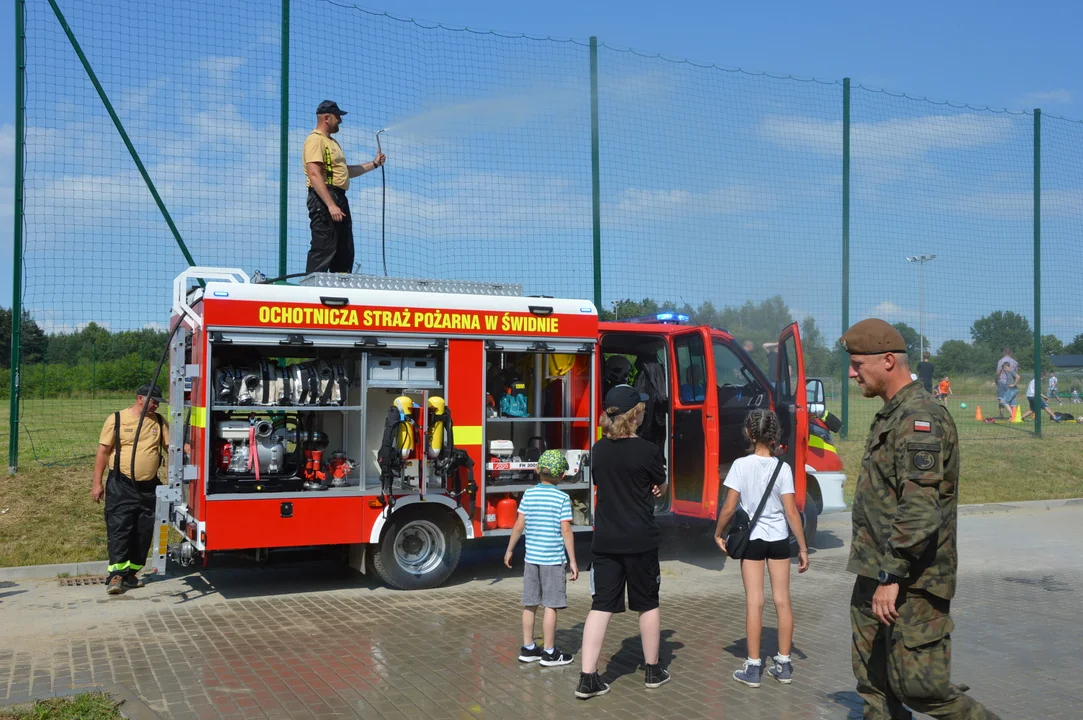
[907, 664]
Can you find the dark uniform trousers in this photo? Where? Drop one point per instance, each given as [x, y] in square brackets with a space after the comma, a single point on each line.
[332, 242]
[129, 521]
[907, 663]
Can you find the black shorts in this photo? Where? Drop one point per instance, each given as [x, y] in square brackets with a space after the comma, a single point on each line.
[764, 550]
[610, 573]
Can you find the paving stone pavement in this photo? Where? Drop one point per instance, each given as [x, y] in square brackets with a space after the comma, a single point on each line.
[308, 640]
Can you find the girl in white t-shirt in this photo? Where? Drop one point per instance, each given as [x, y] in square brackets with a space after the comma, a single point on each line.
[769, 543]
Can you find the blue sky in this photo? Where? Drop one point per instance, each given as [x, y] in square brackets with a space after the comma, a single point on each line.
[716, 185]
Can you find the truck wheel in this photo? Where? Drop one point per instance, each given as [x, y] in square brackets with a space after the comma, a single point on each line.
[418, 550]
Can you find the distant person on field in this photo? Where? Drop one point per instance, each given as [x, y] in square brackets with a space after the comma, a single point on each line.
[545, 517]
[925, 372]
[769, 544]
[1053, 383]
[1037, 400]
[328, 177]
[1075, 395]
[1007, 386]
[943, 390]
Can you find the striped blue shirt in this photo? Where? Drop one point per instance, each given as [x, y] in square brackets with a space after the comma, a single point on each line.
[545, 507]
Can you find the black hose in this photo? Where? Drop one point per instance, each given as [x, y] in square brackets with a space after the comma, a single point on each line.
[268, 281]
[153, 383]
[383, 217]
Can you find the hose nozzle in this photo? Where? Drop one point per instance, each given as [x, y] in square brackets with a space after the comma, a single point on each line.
[378, 148]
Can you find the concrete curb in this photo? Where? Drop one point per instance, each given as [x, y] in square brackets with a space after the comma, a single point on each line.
[129, 704]
[49, 572]
[99, 567]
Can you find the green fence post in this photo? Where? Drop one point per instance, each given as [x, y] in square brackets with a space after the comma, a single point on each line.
[845, 251]
[123, 133]
[1038, 270]
[17, 238]
[595, 182]
[283, 140]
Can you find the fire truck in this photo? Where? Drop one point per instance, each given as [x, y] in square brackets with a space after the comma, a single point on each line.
[399, 418]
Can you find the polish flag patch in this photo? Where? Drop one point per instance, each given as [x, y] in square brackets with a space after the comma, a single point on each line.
[922, 426]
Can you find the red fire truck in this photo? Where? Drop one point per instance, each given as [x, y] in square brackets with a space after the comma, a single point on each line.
[398, 418]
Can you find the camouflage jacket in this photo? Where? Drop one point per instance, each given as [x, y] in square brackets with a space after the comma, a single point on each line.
[905, 504]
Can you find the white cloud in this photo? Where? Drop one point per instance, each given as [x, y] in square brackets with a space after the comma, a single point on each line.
[1020, 206]
[888, 140]
[636, 204]
[1047, 97]
[221, 69]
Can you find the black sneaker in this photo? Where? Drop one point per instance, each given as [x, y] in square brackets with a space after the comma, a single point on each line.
[656, 677]
[132, 581]
[530, 655]
[115, 586]
[590, 685]
[556, 658]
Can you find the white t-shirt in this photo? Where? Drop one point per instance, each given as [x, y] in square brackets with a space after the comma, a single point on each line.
[1030, 388]
[749, 476]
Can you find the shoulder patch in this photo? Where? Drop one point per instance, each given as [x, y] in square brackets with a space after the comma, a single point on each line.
[923, 426]
[924, 460]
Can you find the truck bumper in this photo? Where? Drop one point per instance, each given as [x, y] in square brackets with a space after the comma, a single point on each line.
[831, 491]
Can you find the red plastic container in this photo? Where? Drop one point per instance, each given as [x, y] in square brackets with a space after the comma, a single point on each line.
[490, 515]
[506, 511]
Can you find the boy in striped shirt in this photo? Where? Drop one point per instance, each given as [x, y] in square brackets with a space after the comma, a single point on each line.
[545, 514]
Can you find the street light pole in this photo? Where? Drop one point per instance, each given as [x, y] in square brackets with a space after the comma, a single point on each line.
[921, 260]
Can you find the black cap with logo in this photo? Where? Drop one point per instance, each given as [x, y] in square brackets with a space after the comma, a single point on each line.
[623, 398]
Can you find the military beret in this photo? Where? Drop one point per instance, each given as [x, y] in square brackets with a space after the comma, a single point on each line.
[872, 337]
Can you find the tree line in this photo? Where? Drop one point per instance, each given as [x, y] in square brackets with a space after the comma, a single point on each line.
[95, 359]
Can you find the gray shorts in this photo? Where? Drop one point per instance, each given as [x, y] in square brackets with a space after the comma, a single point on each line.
[545, 585]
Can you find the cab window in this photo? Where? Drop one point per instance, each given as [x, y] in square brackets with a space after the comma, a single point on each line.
[691, 369]
[736, 384]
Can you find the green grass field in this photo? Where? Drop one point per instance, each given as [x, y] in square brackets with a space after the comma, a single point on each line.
[88, 706]
[47, 516]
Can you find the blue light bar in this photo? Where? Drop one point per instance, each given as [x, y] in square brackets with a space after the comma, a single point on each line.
[668, 317]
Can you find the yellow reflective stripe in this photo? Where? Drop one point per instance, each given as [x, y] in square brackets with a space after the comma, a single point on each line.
[327, 164]
[815, 441]
[120, 566]
[468, 434]
[198, 417]
[133, 566]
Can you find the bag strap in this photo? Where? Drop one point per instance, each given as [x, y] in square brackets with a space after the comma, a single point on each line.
[766, 494]
[116, 442]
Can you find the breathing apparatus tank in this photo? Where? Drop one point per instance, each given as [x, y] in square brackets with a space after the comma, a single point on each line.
[437, 417]
[406, 433]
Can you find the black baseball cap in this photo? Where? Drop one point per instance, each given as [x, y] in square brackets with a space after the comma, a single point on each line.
[152, 392]
[623, 398]
[329, 106]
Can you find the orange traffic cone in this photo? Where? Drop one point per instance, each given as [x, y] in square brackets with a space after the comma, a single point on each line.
[1017, 414]
[977, 415]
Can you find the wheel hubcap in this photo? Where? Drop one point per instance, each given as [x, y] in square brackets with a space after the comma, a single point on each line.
[419, 547]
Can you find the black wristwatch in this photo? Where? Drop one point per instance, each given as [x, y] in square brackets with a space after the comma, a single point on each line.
[886, 578]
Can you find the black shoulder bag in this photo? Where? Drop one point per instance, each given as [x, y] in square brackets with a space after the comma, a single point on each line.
[740, 533]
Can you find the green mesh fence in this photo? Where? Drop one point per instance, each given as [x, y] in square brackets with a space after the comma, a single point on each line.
[721, 193]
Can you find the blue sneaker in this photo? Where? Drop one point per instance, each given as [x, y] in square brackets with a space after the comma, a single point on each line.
[749, 674]
[781, 671]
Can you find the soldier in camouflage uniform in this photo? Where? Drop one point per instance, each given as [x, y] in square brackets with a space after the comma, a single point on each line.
[903, 550]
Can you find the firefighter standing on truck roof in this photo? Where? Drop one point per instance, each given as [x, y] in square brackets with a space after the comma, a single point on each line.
[129, 491]
[904, 549]
[328, 178]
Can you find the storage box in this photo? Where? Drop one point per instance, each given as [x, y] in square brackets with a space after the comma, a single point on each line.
[385, 368]
[419, 370]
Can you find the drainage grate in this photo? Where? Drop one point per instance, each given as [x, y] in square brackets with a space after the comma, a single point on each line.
[83, 580]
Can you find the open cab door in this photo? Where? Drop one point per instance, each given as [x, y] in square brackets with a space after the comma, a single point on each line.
[791, 405]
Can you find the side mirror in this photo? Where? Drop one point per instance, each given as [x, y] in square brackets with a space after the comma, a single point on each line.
[816, 410]
[814, 392]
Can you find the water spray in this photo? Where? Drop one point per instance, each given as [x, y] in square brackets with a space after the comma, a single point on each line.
[383, 203]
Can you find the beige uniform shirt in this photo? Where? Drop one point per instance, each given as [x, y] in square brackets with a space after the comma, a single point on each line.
[328, 153]
[151, 439]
